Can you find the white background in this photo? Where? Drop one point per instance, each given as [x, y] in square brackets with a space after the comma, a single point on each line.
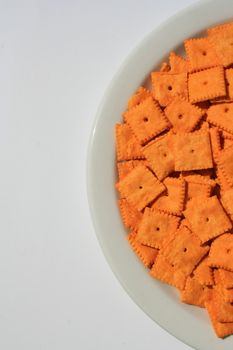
[56, 60]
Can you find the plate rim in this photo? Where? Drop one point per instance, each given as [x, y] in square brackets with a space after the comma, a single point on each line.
[89, 177]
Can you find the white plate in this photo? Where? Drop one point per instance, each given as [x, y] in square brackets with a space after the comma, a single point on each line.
[159, 301]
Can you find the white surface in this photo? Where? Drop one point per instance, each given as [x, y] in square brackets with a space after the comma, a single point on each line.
[56, 60]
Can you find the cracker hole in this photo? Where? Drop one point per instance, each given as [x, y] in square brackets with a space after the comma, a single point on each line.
[157, 229]
[140, 187]
[185, 250]
[172, 265]
[192, 151]
[204, 53]
[205, 82]
[228, 251]
[226, 109]
[207, 219]
[180, 116]
[169, 87]
[145, 119]
[165, 154]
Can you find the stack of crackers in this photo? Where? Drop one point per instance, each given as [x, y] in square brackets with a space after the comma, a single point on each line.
[175, 166]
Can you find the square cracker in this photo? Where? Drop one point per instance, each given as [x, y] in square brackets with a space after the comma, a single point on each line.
[207, 218]
[223, 45]
[221, 252]
[222, 309]
[220, 115]
[183, 115]
[225, 163]
[167, 273]
[192, 151]
[226, 278]
[203, 273]
[178, 64]
[146, 120]
[222, 330]
[160, 156]
[140, 95]
[131, 217]
[155, 227]
[225, 293]
[146, 254]
[194, 293]
[201, 54]
[127, 145]
[206, 84]
[124, 168]
[184, 250]
[172, 201]
[167, 85]
[140, 187]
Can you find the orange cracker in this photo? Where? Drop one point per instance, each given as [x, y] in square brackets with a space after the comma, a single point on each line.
[206, 84]
[221, 252]
[146, 120]
[226, 294]
[227, 201]
[222, 44]
[222, 180]
[192, 151]
[220, 115]
[227, 143]
[201, 54]
[219, 28]
[140, 95]
[140, 187]
[204, 274]
[160, 157]
[199, 179]
[227, 135]
[127, 146]
[166, 85]
[165, 67]
[167, 273]
[146, 254]
[229, 82]
[184, 250]
[155, 227]
[195, 293]
[171, 202]
[223, 310]
[222, 330]
[215, 142]
[226, 278]
[178, 64]
[130, 215]
[124, 168]
[225, 162]
[207, 218]
[183, 115]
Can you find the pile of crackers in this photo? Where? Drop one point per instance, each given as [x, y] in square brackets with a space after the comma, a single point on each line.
[175, 167]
